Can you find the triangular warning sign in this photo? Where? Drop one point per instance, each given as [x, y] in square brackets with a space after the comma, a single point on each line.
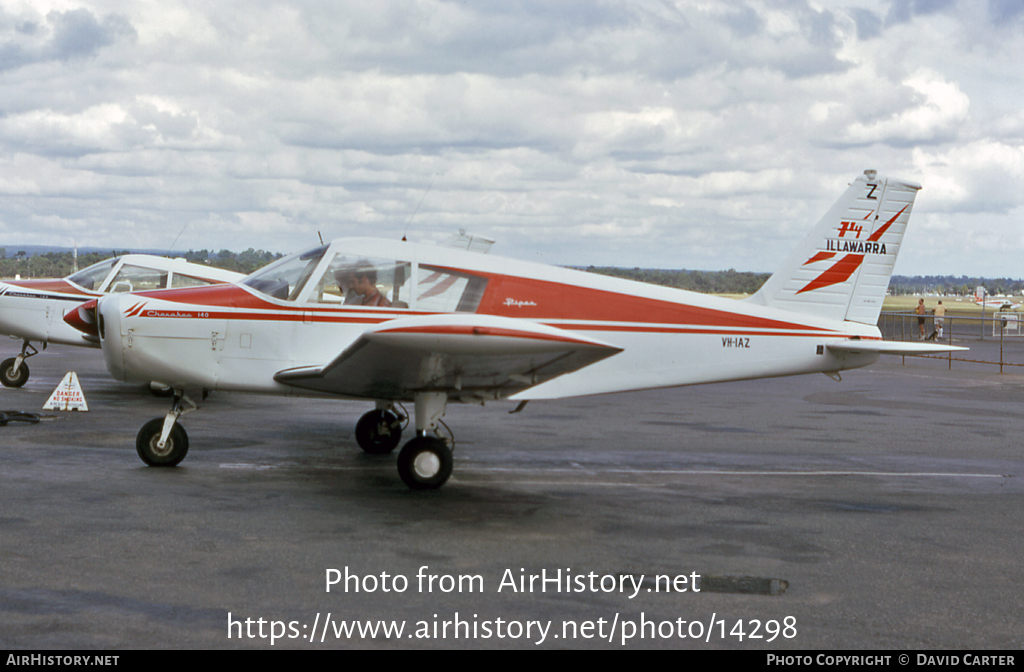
[68, 396]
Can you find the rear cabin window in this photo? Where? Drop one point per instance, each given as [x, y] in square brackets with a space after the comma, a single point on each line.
[443, 290]
[181, 280]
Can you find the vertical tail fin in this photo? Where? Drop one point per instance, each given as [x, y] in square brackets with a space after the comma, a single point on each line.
[841, 270]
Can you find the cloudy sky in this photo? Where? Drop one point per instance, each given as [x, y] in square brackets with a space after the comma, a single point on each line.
[656, 133]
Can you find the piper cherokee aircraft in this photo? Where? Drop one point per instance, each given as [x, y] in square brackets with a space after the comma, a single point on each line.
[33, 310]
[392, 322]
[981, 298]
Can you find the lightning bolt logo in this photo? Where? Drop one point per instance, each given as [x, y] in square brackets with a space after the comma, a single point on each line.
[135, 309]
[845, 267]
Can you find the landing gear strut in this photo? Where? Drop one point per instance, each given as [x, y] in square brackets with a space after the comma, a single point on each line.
[162, 442]
[14, 371]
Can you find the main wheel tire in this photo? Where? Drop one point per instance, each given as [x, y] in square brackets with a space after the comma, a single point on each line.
[11, 379]
[379, 432]
[425, 463]
[171, 454]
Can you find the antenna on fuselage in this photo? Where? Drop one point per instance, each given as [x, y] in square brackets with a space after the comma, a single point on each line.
[321, 237]
[429, 186]
[176, 240]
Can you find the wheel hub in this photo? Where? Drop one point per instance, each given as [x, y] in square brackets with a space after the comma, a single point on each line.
[426, 465]
[154, 446]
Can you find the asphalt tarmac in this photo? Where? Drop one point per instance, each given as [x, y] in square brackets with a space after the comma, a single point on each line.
[880, 512]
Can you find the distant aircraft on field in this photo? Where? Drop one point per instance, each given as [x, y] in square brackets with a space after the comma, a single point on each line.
[982, 298]
[34, 310]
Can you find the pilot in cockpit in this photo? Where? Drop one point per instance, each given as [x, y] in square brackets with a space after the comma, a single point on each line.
[359, 284]
[343, 276]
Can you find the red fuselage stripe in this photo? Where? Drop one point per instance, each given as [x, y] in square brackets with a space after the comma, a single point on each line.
[591, 327]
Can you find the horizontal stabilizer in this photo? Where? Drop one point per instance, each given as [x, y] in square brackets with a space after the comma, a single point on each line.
[468, 356]
[892, 347]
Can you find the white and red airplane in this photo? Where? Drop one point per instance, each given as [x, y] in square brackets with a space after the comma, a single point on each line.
[985, 300]
[393, 322]
[33, 310]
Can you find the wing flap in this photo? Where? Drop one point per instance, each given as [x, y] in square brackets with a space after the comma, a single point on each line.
[468, 356]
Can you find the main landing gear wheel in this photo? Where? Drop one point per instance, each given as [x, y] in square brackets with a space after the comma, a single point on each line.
[11, 379]
[425, 463]
[174, 449]
[378, 432]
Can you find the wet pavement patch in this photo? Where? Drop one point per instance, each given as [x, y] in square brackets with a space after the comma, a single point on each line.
[41, 601]
[744, 585]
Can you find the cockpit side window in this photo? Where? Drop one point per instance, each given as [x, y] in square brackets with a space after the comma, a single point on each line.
[137, 279]
[363, 281]
[92, 278]
[285, 278]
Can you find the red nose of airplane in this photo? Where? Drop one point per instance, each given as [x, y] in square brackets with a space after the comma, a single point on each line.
[83, 318]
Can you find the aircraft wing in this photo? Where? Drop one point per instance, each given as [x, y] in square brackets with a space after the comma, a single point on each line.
[891, 347]
[472, 357]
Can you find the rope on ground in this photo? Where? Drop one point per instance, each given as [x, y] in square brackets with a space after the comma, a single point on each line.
[18, 416]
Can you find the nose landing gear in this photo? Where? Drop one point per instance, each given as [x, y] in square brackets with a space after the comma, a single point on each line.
[162, 442]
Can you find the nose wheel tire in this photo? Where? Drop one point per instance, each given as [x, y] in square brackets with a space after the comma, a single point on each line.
[11, 379]
[425, 463]
[174, 449]
[378, 432]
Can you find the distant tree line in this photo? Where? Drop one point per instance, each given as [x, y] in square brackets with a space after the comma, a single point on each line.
[951, 285]
[61, 264]
[48, 264]
[242, 262]
[735, 282]
[706, 282]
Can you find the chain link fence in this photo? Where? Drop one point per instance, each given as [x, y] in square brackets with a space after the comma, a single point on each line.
[995, 339]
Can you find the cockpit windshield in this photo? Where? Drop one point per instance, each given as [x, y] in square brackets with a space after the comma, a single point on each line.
[92, 278]
[285, 278]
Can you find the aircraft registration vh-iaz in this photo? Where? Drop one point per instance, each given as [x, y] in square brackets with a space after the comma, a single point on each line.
[392, 321]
